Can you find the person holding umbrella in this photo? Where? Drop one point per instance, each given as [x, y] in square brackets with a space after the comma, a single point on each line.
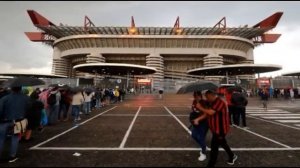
[13, 108]
[199, 124]
[218, 121]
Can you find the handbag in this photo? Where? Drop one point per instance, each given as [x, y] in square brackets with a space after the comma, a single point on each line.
[20, 126]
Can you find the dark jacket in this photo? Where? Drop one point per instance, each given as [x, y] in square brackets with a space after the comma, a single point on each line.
[239, 100]
[4, 93]
[14, 106]
[34, 114]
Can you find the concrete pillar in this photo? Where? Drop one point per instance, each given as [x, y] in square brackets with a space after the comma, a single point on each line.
[94, 58]
[247, 77]
[156, 61]
[61, 67]
[210, 61]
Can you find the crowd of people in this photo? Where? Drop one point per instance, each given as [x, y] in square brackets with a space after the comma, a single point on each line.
[46, 107]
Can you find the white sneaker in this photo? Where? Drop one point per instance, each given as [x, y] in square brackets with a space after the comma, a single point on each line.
[78, 119]
[246, 128]
[202, 157]
[231, 162]
[80, 112]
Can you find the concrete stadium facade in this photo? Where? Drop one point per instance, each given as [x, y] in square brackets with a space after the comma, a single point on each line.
[171, 55]
[170, 52]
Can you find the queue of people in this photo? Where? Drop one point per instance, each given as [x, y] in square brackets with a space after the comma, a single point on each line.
[22, 112]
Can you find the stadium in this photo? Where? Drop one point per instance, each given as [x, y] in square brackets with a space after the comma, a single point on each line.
[171, 50]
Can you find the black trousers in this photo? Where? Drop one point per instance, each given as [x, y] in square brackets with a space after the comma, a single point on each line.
[231, 114]
[240, 113]
[216, 142]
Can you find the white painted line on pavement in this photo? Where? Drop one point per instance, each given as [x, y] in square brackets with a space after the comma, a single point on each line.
[129, 129]
[261, 136]
[288, 121]
[281, 117]
[262, 110]
[117, 115]
[276, 123]
[56, 136]
[283, 112]
[275, 114]
[145, 115]
[160, 149]
[178, 121]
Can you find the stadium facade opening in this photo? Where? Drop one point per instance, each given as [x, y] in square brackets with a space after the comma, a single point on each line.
[171, 50]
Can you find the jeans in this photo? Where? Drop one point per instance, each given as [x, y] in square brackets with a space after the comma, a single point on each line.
[4, 128]
[98, 103]
[53, 114]
[75, 111]
[218, 140]
[63, 108]
[87, 107]
[199, 134]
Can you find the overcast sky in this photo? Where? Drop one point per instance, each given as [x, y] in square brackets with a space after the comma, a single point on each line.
[18, 54]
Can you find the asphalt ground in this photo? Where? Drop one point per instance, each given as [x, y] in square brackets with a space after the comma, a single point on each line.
[144, 131]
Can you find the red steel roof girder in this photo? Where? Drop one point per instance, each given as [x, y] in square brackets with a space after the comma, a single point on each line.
[38, 19]
[270, 21]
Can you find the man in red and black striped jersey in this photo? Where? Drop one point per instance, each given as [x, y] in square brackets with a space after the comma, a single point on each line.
[218, 121]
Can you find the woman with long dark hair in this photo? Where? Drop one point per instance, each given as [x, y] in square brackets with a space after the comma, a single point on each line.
[34, 114]
[199, 124]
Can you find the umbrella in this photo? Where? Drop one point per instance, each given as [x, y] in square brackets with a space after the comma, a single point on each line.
[64, 86]
[197, 86]
[88, 90]
[23, 81]
[235, 88]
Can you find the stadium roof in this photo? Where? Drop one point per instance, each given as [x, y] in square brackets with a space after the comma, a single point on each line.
[295, 73]
[32, 75]
[51, 32]
[115, 69]
[236, 69]
[63, 31]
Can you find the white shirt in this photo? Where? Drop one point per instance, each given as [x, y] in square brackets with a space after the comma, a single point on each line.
[88, 98]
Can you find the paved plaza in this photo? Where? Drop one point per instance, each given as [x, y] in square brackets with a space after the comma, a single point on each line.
[147, 131]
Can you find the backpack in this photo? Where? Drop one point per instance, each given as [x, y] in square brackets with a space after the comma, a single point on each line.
[51, 100]
[98, 95]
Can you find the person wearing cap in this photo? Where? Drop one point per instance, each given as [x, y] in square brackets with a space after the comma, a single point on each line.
[218, 121]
